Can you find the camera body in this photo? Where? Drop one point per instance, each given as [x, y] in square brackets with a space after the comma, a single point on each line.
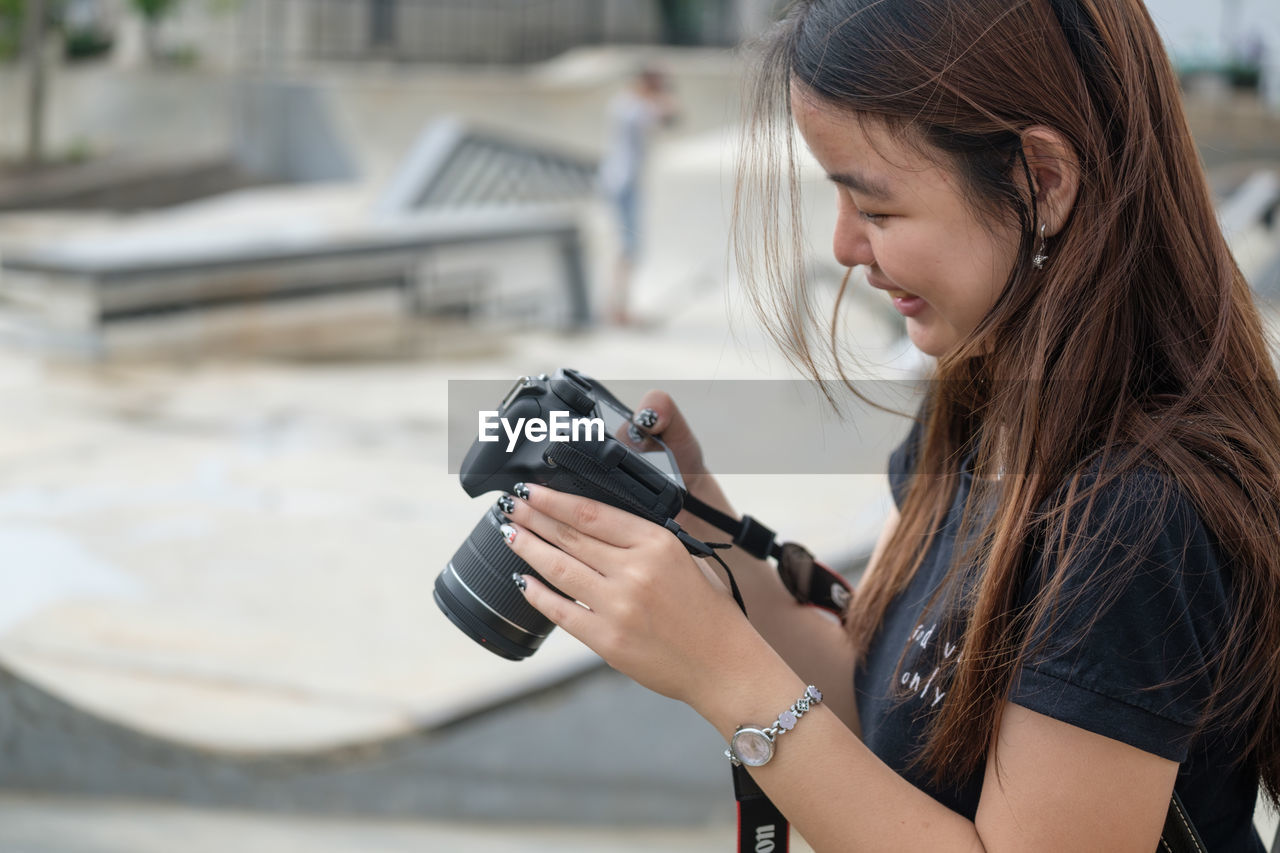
[566, 432]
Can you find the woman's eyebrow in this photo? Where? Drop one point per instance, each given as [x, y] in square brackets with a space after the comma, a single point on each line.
[863, 185]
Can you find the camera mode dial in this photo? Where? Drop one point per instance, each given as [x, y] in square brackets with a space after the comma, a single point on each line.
[575, 393]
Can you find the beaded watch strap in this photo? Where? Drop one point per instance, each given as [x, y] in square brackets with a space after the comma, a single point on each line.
[759, 742]
[787, 719]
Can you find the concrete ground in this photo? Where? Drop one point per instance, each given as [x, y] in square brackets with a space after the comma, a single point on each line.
[241, 554]
[42, 825]
[32, 824]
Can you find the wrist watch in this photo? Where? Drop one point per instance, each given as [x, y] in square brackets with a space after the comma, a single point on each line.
[753, 746]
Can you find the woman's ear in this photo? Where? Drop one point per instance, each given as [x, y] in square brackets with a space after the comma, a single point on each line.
[1055, 172]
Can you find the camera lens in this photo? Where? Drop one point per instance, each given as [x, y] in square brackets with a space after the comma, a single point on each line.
[478, 595]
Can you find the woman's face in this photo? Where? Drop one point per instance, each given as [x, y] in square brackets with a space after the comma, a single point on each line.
[905, 218]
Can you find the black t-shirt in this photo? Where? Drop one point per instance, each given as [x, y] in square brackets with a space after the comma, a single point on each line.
[1106, 677]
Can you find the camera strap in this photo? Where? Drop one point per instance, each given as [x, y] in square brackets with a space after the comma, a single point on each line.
[761, 826]
[808, 581]
[748, 533]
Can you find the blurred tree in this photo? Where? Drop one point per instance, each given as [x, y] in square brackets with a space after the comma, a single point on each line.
[10, 28]
[25, 26]
[680, 20]
[153, 12]
[87, 29]
[698, 22]
[84, 45]
[34, 30]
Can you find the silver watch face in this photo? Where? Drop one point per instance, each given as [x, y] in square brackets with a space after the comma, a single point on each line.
[752, 747]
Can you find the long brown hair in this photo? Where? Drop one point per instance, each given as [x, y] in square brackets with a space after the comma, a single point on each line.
[1139, 341]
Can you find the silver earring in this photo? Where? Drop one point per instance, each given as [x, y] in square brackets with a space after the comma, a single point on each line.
[1040, 257]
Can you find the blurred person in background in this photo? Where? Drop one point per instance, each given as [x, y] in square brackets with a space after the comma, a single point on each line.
[633, 115]
[1073, 611]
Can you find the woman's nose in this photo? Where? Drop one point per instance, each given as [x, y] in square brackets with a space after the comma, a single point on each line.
[850, 243]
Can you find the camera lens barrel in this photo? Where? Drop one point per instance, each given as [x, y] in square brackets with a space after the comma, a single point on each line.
[476, 592]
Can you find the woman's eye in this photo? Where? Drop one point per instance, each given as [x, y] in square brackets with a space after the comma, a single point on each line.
[847, 198]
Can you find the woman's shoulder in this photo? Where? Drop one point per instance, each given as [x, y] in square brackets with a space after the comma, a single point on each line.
[1115, 489]
[1124, 524]
[1129, 596]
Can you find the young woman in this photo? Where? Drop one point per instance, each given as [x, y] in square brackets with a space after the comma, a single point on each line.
[1075, 608]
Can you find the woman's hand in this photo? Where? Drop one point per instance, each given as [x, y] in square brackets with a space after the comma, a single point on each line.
[658, 415]
[645, 605]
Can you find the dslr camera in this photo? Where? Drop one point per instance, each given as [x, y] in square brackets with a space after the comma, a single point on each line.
[566, 432]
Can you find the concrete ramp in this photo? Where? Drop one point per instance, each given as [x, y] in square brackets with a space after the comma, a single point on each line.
[590, 747]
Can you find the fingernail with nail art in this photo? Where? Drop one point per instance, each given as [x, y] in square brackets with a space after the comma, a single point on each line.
[508, 533]
[646, 418]
[521, 491]
[634, 433]
[506, 505]
[519, 581]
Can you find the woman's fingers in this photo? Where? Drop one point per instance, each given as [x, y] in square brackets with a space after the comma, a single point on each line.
[658, 415]
[563, 571]
[587, 529]
[569, 615]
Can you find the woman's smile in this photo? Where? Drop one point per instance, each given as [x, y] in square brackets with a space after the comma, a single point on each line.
[907, 304]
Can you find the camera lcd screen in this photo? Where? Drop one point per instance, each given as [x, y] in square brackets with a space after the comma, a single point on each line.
[616, 420]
